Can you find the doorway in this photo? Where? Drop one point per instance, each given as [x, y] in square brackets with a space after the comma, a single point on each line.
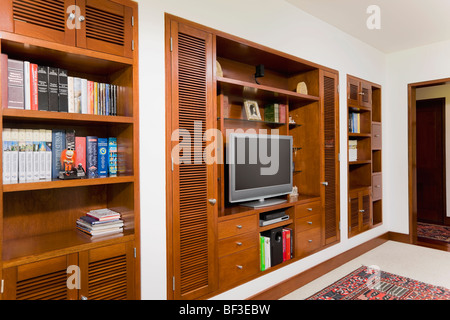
[427, 161]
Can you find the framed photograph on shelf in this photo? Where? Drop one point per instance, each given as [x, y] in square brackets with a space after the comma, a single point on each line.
[252, 110]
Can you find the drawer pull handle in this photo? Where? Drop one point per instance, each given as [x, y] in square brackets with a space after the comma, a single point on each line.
[309, 209]
[309, 241]
[362, 210]
[239, 243]
[239, 226]
[239, 267]
[310, 222]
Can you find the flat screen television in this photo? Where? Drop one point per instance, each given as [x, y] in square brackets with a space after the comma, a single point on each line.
[260, 167]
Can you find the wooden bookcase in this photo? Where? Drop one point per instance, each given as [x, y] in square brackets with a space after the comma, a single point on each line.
[364, 165]
[38, 238]
[214, 245]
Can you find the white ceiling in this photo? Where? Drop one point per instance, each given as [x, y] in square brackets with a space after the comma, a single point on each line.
[404, 23]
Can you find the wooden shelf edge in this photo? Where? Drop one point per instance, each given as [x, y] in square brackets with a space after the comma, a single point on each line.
[275, 225]
[359, 162]
[63, 116]
[55, 184]
[32, 249]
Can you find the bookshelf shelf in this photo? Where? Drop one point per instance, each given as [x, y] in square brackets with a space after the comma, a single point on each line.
[56, 184]
[359, 135]
[276, 225]
[268, 123]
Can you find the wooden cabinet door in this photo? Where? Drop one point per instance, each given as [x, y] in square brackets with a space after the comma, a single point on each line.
[353, 91]
[192, 181]
[359, 211]
[107, 273]
[353, 214]
[106, 26]
[42, 280]
[365, 95]
[330, 189]
[46, 20]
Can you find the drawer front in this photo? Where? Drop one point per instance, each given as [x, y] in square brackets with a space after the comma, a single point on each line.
[308, 223]
[307, 241]
[239, 266]
[238, 226]
[376, 136]
[377, 187]
[238, 243]
[307, 209]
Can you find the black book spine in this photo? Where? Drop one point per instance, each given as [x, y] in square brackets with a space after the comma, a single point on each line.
[53, 104]
[42, 88]
[63, 91]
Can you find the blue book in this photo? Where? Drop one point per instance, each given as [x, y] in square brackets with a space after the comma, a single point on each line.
[59, 145]
[102, 154]
[107, 100]
[91, 157]
[112, 156]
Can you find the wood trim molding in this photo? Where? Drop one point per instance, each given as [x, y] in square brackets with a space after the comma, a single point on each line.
[285, 287]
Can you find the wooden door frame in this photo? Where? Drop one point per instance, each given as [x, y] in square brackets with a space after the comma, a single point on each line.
[412, 170]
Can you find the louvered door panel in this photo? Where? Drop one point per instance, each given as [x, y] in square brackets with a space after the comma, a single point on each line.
[43, 19]
[353, 92]
[107, 27]
[353, 215]
[43, 280]
[110, 273]
[366, 95]
[331, 164]
[366, 211]
[193, 216]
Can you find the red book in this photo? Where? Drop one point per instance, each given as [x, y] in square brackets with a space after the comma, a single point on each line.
[288, 244]
[90, 97]
[4, 80]
[282, 110]
[80, 151]
[33, 86]
[284, 244]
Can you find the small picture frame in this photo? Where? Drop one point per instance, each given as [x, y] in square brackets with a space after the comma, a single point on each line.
[252, 110]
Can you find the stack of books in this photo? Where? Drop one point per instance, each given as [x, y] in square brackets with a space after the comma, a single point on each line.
[100, 222]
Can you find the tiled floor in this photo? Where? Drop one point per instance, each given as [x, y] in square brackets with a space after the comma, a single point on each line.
[424, 264]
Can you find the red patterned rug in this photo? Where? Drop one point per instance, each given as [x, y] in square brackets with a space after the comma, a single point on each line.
[433, 231]
[367, 284]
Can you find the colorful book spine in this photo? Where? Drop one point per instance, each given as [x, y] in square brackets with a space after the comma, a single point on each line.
[112, 156]
[53, 100]
[36, 155]
[63, 91]
[34, 86]
[77, 94]
[29, 155]
[6, 156]
[90, 97]
[102, 154]
[262, 253]
[96, 98]
[22, 156]
[70, 95]
[14, 155]
[91, 157]
[16, 97]
[59, 145]
[26, 85]
[42, 88]
[4, 80]
[80, 150]
[84, 96]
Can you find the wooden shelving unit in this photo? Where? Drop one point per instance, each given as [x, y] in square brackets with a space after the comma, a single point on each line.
[38, 238]
[364, 172]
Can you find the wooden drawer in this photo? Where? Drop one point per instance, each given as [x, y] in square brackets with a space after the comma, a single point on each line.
[238, 243]
[238, 226]
[377, 188]
[308, 223]
[376, 136]
[307, 209]
[239, 266]
[307, 241]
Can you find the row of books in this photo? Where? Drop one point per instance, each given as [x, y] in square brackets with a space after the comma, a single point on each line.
[275, 112]
[100, 222]
[30, 86]
[352, 150]
[33, 155]
[267, 259]
[354, 122]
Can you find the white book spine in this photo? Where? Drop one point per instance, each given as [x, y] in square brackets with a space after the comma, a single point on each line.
[14, 156]
[22, 156]
[29, 155]
[267, 252]
[26, 84]
[42, 154]
[36, 155]
[84, 96]
[6, 156]
[48, 155]
[70, 95]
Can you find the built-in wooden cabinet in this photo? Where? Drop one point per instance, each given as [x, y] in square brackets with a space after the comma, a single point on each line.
[39, 238]
[214, 245]
[364, 155]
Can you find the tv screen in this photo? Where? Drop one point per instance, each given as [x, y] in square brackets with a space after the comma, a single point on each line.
[260, 166]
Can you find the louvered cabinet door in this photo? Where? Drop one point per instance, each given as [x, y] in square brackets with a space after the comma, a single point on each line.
[42, 19]
[365, 212]
[353, 91]
[107, 273]
[330, 189]
[366, 95]
[353, 214]
[107, 27]
[194, 181]
[42, 280]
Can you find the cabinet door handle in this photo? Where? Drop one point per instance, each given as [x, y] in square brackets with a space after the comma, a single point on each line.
[361, 93]
[212, 201]
[239, 243]
[310, 222]
[239, 226]
[377, 135]
[309, 209]
[325, 183]
[81, 18]
[239, 266]
[362, 210]
[377, 186]
[309, 241]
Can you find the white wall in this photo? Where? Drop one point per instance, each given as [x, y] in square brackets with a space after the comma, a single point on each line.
[276, 24]
[415, 65]
[441, 91]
